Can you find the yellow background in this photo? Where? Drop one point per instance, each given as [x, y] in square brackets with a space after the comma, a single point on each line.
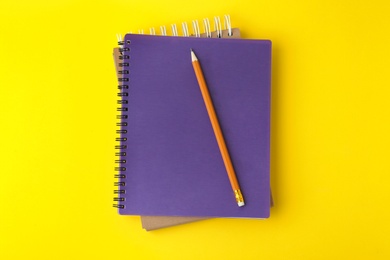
[330, 132]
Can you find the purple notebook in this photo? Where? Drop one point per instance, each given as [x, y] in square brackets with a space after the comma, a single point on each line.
[170, 161]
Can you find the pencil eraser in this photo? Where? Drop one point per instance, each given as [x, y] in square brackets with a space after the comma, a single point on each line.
[240, 204]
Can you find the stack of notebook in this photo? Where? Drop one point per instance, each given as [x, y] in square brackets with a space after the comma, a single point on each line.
[170, 168]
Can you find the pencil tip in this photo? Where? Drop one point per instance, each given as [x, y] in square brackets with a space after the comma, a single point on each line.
[193, 56]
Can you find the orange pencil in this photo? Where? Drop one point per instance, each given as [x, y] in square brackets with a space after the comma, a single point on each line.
[217, 130]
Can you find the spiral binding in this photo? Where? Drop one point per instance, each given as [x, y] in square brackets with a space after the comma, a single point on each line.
[122, 124]
[196, 31]
[123, 87]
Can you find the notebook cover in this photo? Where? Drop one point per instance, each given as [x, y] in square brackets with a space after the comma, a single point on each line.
[150, 223]
[174, 166]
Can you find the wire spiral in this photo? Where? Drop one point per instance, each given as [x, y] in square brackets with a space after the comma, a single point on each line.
[123, 94]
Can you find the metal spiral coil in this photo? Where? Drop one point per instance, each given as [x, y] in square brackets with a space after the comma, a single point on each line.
[122, 124]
